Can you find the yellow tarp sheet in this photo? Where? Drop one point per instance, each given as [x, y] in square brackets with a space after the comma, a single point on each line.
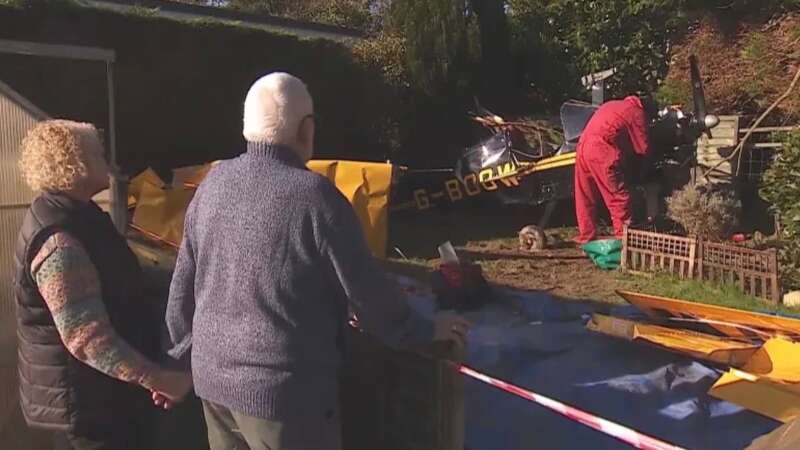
[769, 383]
[698, 345]
[159, 210]
[367, 186]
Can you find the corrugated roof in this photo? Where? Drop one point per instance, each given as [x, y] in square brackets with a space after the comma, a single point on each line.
[23, 102]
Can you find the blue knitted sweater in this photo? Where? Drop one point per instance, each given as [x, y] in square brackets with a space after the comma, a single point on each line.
[272, 255]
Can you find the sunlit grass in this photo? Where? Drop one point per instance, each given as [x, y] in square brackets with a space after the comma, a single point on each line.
[726, 295]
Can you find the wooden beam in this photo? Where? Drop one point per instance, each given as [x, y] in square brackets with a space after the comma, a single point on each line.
[57, 51]
[767, 145]
[768, 129]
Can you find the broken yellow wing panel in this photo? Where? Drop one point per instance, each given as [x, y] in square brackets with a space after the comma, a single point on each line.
[778, 401]
[769, 380]
[729, 321]
[612, 326]
[778, 360]
[698, 345]
[769, 383]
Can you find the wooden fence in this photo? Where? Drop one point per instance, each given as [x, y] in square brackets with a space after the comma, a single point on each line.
[645, 251]
[754, 271]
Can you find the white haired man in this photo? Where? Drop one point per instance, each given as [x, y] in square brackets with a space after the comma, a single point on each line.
[272, 257]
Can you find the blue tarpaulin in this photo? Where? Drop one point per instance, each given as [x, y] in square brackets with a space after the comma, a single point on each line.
[541, 344]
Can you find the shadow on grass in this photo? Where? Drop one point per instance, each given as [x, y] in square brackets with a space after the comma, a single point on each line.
[418, 233]
[540, 256]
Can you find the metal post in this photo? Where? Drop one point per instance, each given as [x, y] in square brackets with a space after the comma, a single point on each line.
[652, 193]
[118, 184]
[598, 92]
[549, 207]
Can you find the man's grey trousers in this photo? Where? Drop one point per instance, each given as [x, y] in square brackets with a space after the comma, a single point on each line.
[230, 430]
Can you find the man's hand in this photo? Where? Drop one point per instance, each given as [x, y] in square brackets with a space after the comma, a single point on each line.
[451, 327]
[170, 387]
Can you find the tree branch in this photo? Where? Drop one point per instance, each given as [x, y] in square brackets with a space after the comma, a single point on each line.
[738, 151]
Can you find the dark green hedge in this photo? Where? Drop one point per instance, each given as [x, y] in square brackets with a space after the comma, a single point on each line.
[180, 85]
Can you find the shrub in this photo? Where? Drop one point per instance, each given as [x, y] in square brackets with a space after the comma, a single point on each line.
[704, 213]
[743, 72]
[781, 187]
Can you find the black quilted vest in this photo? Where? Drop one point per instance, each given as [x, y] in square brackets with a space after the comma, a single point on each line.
[57, 391]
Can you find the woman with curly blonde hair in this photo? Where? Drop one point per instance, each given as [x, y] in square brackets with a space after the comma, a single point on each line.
[87, 335]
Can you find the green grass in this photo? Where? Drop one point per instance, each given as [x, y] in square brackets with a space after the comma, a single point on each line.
[143, 11]
[704, 292]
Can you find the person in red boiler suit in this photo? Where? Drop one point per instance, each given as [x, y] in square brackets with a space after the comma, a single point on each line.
[618, 129]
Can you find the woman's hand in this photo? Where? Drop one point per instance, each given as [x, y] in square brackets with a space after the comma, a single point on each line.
[169, 387]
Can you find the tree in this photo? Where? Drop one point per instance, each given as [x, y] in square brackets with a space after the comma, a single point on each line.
[356, 14]
[436, 40]
[633, 36]
[497, 71]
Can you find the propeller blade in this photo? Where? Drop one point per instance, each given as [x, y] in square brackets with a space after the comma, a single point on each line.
[480, 110]
[698, 95]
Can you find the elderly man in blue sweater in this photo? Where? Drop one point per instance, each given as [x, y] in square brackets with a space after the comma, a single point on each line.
[272, 257]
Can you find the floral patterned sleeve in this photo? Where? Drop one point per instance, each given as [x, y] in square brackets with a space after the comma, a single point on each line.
[70, 285]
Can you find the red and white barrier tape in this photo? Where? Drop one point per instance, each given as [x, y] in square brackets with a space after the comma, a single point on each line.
[624, 434]
[605, 426]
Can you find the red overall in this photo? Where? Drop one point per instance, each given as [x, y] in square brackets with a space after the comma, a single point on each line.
[618, 126]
